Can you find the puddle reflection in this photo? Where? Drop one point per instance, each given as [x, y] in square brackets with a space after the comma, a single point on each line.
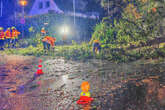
[65, 78]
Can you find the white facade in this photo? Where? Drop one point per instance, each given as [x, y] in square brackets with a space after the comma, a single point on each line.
[91, 15]
[43, 7]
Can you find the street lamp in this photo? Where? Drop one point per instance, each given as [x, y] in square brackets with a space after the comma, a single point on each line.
[108, 7]
[23, 3]
[64, 30]
[1, 8]
[74, 9]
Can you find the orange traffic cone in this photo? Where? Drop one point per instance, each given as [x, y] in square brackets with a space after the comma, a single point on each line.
[39, 71]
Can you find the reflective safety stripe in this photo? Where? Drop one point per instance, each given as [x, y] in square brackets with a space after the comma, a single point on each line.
[49, 40]
[7, 37]
[43, 31]
[2, 37]
[15, 34]
[85, 94]
[96, 41]
[7, 34]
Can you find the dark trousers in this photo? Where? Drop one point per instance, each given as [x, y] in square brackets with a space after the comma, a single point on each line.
[46, 45]
[2, 44]
[14, 42]
[7, 41]
[96, 46]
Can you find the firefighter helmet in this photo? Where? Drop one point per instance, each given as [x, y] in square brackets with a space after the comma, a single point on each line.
[1, 28]
[12, 27]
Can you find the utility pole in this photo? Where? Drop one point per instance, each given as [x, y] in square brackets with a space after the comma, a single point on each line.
[23, 13]
[23, 3]
[74, 10]
[15, 14]
[1, 8]
[15, 18]
[108, 7]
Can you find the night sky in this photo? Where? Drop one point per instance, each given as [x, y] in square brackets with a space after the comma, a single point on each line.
[8, 8]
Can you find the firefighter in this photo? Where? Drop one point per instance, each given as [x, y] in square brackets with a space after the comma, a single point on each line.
[43, 32]
[2, 38]
[96, 46]
[14, 36]
[8, 37]
[48, 42]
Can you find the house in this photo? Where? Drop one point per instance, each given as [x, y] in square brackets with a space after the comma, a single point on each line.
[43, 7]
[40, 7]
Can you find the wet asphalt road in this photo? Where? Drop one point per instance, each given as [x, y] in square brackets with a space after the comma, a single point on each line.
[59, 87]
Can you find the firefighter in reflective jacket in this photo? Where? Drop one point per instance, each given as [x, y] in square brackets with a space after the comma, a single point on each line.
[43, 32]
[48, 42]
[2, 38]
[8, 37]
[14, 36]
[96, 46]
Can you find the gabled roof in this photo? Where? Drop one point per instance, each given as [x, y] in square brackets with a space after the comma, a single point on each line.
[60, 6]
[44, 6]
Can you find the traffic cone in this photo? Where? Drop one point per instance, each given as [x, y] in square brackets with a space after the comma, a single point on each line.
[39, 70]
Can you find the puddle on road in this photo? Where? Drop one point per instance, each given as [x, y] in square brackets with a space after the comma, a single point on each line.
[65, 78]
[3, 76]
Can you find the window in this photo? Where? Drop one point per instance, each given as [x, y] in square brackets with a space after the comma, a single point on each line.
[47, 4]
[40, 5]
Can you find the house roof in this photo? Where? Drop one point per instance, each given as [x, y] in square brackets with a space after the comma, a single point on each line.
[62, 4]
[43, 7]
[67, 5]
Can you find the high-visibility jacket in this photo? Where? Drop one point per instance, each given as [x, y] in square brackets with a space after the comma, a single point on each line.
[96, 41]
[7, 34]
[15, 34]
[43, 31]
[2, 35]
[85, 94]
[49, 40]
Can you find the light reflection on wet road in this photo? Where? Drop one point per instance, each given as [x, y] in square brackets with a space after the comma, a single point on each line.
[57, 89]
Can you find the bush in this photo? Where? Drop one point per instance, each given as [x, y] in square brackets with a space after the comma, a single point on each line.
[75, 52]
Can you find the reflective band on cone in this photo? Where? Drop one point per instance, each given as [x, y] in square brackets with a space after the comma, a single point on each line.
[39, 71]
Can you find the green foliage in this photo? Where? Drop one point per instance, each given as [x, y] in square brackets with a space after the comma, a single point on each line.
[104, 32]
[31, 29]
[30, 51]
[73, 42]
[75, 52]
[140, 22]
[84, 52]
[35, 41]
